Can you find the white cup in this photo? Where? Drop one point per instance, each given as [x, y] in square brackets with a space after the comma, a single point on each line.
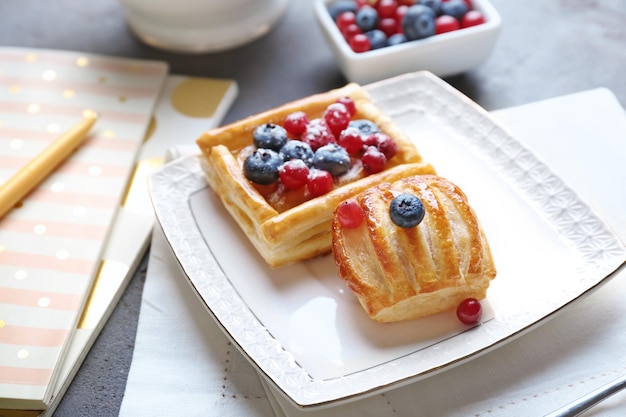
[197, 26]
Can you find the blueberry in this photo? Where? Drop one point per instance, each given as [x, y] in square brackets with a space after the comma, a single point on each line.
[418, 22]
[338, 7]
[454, 8]
[332, 158]
[406, 210]
[396, 39]
[270, 136]
[364, 126]
[377, 37]
[295, 149]
[261, 166]
[433, 4]
[367, 18]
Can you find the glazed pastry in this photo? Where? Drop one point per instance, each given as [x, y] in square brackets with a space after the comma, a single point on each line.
[400, 271]
[291, 225]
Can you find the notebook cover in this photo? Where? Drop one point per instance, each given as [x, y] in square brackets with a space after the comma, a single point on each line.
[51, 244]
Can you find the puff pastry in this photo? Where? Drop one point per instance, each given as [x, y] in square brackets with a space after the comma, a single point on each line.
[290, 229]
[404, 273]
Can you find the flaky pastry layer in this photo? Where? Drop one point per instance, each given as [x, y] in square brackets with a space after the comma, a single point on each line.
[404, 273]
[302, 231]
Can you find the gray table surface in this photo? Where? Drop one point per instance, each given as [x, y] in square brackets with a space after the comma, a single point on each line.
[545, 49]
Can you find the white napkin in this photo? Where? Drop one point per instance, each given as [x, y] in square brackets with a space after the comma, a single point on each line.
[184, 365]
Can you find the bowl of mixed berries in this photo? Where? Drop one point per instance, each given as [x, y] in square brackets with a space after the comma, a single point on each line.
[377, 39]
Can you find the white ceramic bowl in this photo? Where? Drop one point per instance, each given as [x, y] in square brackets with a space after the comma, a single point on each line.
[443, 55]
[198, 26]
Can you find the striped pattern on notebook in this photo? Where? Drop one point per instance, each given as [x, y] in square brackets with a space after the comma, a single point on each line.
[51, 244]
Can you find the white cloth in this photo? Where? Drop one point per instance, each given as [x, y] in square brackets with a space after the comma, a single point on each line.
[184, 365]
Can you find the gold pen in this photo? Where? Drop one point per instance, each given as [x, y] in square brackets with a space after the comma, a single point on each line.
[27, 178]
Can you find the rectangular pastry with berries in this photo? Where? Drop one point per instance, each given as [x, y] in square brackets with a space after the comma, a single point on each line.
[281, 173]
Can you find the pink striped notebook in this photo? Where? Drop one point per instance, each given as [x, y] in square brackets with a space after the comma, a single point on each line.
[51, 245]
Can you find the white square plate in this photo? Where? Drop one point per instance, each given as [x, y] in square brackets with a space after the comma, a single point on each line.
[306, 333]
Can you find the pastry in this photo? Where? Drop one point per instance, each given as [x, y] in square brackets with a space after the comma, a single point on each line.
[399, 270]
[291, 224]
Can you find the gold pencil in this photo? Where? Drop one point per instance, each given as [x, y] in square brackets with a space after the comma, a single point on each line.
[27, 178]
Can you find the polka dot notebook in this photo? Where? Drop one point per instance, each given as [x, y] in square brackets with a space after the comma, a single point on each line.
[60, 271]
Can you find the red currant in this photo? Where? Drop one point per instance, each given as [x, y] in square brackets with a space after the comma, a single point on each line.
[294, 174]
[320, 182]
[351, 140]
[400, 12]
[388, 25]
[446, 23]
[295, 123]
[373, 160]
[386, 144]
[349, 103]
[386, 8]
[360, 43]
[350, 31]
[337, 117]
[370, 3]
[350, 214]
[344, 20]
[317, 134]
[472, 18]
[370, 140]
[469, 311]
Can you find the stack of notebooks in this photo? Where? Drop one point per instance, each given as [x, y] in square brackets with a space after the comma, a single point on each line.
[69, 248]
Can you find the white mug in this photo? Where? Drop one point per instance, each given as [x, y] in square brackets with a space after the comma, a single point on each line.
[197, 26]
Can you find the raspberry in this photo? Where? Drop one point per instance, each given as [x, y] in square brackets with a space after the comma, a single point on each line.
[294, 174]
[320, 182]
[349, 214]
